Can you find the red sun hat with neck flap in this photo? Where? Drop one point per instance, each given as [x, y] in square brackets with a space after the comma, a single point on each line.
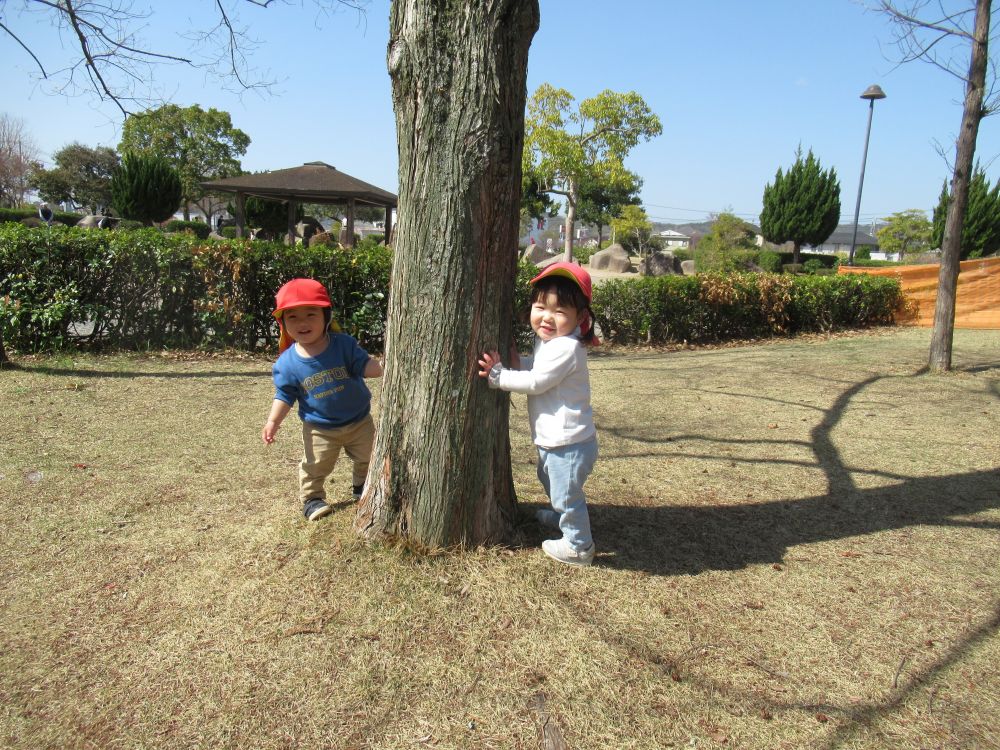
[299, 293]
[581, 278]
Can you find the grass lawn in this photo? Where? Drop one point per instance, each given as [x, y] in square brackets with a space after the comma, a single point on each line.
[798, 547]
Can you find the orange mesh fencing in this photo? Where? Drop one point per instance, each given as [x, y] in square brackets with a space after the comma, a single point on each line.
[977, 304]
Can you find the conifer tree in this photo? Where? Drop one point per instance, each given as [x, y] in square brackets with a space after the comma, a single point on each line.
[802, 206]
[981, 225]
[145, 188]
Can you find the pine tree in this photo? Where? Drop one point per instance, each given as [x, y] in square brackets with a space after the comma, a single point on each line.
[802, 206]
[145, 188]
[981, 227]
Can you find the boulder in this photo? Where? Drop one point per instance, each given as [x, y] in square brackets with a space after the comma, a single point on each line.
[660, 263]
[308, 227]
[687, 267]
[613, 258]
[537, 254]
[92, 221]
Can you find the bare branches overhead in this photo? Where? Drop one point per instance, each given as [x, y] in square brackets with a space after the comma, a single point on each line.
[113, 57]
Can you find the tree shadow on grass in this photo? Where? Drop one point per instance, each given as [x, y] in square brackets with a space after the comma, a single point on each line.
[690, 539]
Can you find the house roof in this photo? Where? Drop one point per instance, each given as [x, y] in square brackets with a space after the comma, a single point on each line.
[313, 182]
[844, 237]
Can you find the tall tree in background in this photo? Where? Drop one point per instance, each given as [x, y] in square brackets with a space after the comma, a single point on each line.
[201, 145]
[601, 203]
[981, 224]
[145, 188]
[18, 160]
[939, 37]
[633, 229]
[81, 176]
[802, 206]
[569, 147]
[440, 471]
[905, 232]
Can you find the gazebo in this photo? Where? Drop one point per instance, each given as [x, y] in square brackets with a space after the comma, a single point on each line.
[313, 182]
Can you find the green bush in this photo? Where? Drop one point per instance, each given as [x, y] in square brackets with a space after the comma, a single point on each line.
[144, 289]
[68, 218]
[769, 261]
[863, 253]
[199, 229]
[812, 266]
[715, 307]
[228, 232]
[145, 188]
[792, 268]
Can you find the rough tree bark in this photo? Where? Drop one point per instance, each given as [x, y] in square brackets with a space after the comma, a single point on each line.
[440, 472]
[943, 334]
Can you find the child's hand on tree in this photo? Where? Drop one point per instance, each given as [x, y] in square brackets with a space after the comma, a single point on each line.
[487, 361]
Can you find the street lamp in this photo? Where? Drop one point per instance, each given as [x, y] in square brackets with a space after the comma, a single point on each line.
[872, 93]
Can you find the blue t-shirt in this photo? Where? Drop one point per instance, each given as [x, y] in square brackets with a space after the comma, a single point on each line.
[330, 389]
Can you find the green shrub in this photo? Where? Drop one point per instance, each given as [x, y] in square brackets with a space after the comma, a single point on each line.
[67, 218]
[863, 253]
[144, 289]
[228, 232]
[199, 229]
[145, 188]
[812, 266]
[792, 268]
[129, 224]
[581, 254]
[714, 307]
[769, 261]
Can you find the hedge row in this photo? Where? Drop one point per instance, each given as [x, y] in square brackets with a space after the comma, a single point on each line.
[67, 218]
[143, 289]
[715, 307]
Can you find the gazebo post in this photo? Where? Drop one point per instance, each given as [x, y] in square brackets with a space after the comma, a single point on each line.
[350, 222]
[292, 205]
[241, 214]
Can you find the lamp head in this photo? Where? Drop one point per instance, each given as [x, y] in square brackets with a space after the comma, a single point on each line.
[873, 92]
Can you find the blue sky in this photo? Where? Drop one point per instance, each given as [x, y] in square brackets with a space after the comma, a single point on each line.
[738, 86]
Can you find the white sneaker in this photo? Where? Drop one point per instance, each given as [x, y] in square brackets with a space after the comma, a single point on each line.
[559, 549]
[547, 517]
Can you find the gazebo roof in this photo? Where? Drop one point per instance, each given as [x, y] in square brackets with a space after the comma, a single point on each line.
[313, 182]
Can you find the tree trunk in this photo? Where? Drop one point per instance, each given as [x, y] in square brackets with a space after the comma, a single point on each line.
[4, 359]
[570, 221]
[796, 247]
[943, 333]
[440, 473]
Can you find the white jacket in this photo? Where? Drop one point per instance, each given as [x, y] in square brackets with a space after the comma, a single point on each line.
[558, 387]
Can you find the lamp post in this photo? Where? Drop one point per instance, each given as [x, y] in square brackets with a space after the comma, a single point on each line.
[872, 93]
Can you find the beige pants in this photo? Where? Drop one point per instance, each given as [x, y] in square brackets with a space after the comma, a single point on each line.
[322, 449]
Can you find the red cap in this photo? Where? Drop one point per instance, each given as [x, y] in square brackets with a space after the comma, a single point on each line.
[570, 271]
[296, 293]
[299, 292]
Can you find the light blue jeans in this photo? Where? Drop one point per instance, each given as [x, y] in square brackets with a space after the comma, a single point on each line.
[562, 472]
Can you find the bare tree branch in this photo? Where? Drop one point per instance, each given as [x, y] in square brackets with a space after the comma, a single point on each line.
[115, 64]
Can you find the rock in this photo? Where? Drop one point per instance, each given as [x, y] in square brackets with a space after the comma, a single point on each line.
[537, 254]
[660, 263]
[687, 267]
[613, 258]
[308, 227]
[321, 238]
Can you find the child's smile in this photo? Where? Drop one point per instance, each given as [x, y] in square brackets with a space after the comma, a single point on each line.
[306, 324]
[550, 319]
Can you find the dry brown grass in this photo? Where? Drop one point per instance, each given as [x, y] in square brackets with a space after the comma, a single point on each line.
[798, 549]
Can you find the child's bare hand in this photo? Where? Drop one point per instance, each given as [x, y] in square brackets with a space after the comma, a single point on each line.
[487, 361]
[269, 432]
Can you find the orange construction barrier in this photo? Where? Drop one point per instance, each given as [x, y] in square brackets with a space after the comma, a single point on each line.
[977, 304]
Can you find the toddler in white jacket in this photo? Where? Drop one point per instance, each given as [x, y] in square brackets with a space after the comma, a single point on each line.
[557, 383]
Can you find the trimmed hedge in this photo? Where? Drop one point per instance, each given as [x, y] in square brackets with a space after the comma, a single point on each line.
[143, 289]
[199, 229]
[716, 307]
[67, 218]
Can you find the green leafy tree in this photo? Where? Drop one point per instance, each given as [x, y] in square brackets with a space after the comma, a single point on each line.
[271, 216]
[567, 148]
[201, 145]
[600, 203]
[981, 224]
[633, 229]
[802, 206]
[145, 188]
[81, 176]
[905, 232]
[727, 246]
